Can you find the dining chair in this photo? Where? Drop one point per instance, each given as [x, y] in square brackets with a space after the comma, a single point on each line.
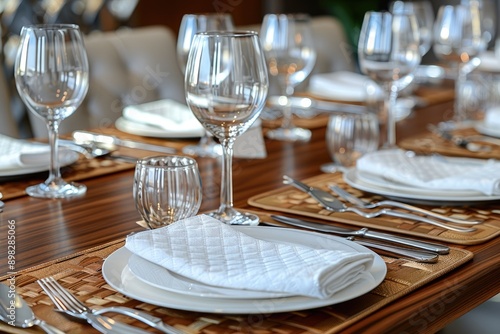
[8, 125]
[127, 66]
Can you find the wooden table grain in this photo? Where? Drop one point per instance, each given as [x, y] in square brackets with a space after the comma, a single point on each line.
[48, 229]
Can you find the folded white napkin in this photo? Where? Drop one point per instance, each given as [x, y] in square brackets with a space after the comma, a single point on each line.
[342, 85]
[492, 118]
[18, 153]
[433, 172]
[204, 249]
[167, 114]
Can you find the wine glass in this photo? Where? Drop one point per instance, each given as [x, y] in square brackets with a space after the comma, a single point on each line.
[424, 14]
[288, 44]
[226, 88]
[458, 38]
[166, 189]
[190, 25]
[51, 73]
[388, 51]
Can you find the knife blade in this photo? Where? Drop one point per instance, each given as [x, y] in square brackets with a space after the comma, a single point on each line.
[458, 141]
[416, 255]
[307, 103]
[85, 137]
[364, 233]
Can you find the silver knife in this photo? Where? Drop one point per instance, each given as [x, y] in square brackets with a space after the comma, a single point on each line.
[108, 141]
[416, 255]
[320, 106]
[363, 233]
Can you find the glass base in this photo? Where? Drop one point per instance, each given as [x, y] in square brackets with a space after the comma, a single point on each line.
[235, 218]
[59, 190]
[212, 150]
[292, 134]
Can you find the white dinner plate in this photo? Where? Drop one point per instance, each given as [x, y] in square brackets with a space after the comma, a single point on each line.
[117, 274]
[139, 129]
[487, 130]
[413, 194]
[65, 159]
[162, 278]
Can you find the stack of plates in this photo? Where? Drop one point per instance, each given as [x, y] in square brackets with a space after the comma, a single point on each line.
[148, 282]
[378, 185]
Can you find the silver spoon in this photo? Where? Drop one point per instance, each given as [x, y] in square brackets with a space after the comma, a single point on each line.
[15, 312]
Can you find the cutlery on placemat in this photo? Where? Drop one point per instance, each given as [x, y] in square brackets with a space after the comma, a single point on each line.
[108, 141]
[364, 233]
[458, 141]
[15, 312]
[69, 304]
[382, 248]
[329, 202]
[371, 205]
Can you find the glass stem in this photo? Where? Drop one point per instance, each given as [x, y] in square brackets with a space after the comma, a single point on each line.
[459, 115]
[226, 190]
[54, 171]
[287, 122]
[391, 117]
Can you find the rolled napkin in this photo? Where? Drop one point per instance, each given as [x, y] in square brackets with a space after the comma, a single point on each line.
[433, 172]
[342, 85]
[167, 114]
[206, 250]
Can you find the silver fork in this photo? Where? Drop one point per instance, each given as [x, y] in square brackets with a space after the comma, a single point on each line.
[371, 205]
[66, 302]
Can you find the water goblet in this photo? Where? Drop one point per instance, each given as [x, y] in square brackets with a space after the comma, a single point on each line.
[288, 44]
[226, 87]
[348, 137]
[51, 73]
[166, 189]
[388, 52]
[458, 38]
[190, 25]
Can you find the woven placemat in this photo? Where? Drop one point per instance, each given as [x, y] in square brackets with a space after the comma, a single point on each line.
[80, 273]
[427, 142]
[290, 200]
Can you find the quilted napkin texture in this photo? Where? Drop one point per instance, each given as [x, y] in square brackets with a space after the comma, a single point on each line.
[204, 249]
[433, 172]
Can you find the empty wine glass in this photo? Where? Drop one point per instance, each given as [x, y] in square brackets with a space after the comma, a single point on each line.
[166, 189]
[458, 38]
[51, 73]
[388, 51]
[424, 14]
[288, 44]
[190, 25]
[350, 136]
[226, 88]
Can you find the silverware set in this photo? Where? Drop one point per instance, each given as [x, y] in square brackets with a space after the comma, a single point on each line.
[70, 305]
[331, 203]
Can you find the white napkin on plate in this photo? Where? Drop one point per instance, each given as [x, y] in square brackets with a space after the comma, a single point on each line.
[18, 153]
[207, 250]
[433, 172]
[167, 114]
[341, 85]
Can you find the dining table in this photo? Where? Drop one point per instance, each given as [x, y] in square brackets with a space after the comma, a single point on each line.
[70, 239]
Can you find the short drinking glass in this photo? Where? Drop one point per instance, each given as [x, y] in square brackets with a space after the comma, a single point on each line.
[166, 189]
[349, 136]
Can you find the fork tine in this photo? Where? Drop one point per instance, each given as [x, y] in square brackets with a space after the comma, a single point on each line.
[62, 297]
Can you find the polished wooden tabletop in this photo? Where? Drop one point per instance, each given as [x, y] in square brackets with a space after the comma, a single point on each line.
[49, 229]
